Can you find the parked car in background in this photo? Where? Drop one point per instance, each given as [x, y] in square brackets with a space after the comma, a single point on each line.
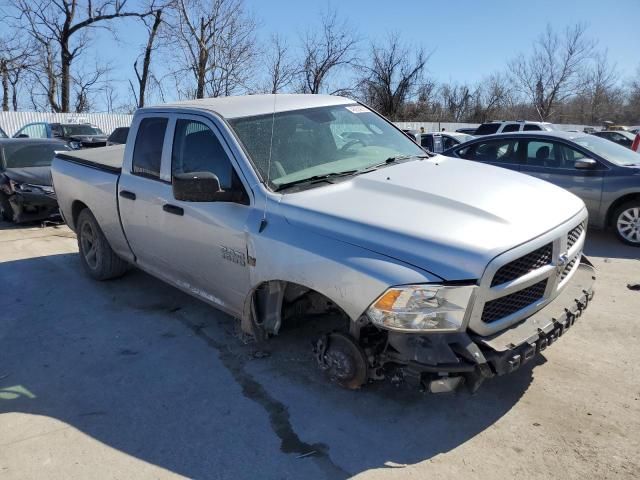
[635, 129]
[605, 175]
[467, 130]
[621, 137]
[77, 135]
[438, 142]
[3, 134]
[612, 126]
[118, 136]
[490, 128]
[26, 191]
[436, 270]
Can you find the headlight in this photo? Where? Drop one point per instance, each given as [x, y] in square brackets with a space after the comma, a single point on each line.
[422, 308]
[29, 188]
[75, 145]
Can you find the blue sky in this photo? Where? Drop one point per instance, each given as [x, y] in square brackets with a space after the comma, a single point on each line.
[469, 39]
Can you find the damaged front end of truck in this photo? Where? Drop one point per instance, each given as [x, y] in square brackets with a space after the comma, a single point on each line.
[441, 362]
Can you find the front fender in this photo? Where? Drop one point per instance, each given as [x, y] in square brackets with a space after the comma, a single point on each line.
[350, 276]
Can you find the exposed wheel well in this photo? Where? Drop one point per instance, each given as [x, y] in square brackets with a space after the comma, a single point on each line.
[76, 208]
[279, 303]
[617, 203]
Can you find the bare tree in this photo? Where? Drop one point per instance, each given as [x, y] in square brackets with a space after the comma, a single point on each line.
[325, 51]
[553, 72]
[62, 28]
[86, 83]
[391, 76]
[457, 101]
[281, 70]
[217, 39]
[142, 73]
[15, 60]
[601, 93]
[492, 96]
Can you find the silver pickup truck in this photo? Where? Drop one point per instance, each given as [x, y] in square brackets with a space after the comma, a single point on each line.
[289, 208]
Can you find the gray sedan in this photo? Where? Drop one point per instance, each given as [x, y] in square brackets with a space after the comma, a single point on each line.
[606, 176]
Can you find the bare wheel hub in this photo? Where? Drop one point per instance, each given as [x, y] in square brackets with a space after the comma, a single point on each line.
[340, 356]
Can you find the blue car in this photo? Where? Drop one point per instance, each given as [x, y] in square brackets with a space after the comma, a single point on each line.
[605, 175]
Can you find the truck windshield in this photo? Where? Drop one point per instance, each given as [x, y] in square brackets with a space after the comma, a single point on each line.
[609, 150]
[321, 141]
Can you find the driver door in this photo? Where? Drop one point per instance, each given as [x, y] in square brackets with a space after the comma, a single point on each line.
[555, 162]
[208, 240]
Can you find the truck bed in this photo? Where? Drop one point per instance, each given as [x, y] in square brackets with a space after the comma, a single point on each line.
[108, 159]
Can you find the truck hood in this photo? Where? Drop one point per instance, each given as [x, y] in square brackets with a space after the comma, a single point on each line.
[447, 216]
[32, 175]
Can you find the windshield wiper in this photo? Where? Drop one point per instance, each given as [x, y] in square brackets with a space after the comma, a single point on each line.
[391, 160]
[316, 178]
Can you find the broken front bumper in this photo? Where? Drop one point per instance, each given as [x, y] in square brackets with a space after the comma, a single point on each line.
[32, 206]
[443, 362]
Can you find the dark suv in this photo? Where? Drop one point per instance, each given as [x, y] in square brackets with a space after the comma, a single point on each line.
[77, 135]
[604, 175]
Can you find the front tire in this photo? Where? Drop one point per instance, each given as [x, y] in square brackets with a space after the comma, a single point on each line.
[626, 222]
[6, 210]
[96, 255]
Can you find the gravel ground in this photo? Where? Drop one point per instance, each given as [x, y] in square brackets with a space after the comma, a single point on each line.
[134, 379]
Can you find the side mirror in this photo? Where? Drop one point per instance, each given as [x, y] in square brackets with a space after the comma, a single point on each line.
[586, 164]
[196, 187]
[22, 135]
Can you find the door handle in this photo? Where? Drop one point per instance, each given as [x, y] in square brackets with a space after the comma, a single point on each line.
[173, 209]
[127, 194]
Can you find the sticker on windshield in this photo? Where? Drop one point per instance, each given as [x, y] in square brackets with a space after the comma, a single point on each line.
[357, 109]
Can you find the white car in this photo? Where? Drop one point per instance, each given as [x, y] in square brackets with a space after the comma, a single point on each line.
[513, 126]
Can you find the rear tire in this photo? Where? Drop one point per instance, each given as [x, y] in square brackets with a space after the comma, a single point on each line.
[626, 223]
[96, 255]
[6, 210]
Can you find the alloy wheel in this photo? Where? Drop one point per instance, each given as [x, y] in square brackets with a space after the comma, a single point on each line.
[628, 224]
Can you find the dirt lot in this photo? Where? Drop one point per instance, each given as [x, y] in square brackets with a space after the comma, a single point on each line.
[134, 379]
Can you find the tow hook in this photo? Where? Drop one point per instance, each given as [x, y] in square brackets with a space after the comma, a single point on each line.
[342, 359]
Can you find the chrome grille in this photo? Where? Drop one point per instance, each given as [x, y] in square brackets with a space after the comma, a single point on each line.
[574, 235]
[523, 265]
[524, 279]
[568, 268]
[509, 304]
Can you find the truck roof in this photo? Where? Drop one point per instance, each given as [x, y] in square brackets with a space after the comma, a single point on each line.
[252, 105]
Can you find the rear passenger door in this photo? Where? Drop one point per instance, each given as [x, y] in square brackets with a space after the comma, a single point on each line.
[143, 189]
[502, 152]
[554, 162]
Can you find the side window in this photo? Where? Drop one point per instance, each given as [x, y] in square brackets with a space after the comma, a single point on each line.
[147, 151]
[502, 151]
[427, 142]
[512, 127]
[197, 149]
[528, 127]
[466, 152]
[448, 142]
[37, 130]
[545, 154]
[569, 155]
[56, 131]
